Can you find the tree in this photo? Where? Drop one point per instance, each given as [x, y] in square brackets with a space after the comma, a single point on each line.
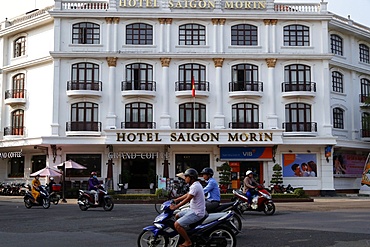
[277, 176]
[225, 177]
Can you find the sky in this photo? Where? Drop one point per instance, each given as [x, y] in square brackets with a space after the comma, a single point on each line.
[357, 9]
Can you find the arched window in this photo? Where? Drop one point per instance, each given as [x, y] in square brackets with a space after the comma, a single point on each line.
[190, 71]
[139, 76]
[139, 115]
[244, 34]
[365, 90]
[297, 78]
[85, 76]
[84, 117]
[365, 124]
[336, 44]
[298, 118]
[245, 116]
[17, 87]
[338, 118]
[244, 78]
[364, 53]
[86, 33]
[337, 81]
[139, 34]
[20, 47]
[296, 35]
[17, 122]
[192, 116]
[192, 34]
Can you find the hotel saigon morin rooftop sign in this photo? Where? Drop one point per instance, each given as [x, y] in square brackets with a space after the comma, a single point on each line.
[194, 4]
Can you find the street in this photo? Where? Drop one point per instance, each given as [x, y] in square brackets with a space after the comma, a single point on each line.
[325, 223]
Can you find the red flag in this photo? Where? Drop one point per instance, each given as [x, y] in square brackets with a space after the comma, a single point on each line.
[192, 86]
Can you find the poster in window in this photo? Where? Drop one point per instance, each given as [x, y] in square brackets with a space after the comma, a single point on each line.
[299, 165]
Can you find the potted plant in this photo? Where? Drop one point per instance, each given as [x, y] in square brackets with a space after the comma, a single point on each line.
[225, 177]
[277, 176]
[126, 177]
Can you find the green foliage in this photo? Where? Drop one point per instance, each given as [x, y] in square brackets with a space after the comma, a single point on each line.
[111, 192]
[299, 192]
[135, 196]
[225, 174]
[277, 176]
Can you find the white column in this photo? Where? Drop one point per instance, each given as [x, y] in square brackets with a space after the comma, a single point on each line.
[109, 21]
[168, 40]
[111, 116]
[273, 35]
[353, 107]
[215, 39]
[272, 118]
[165, 116]
[115, 33]
[323, 89]
[267, 34]
[161, 33]
[56, 93]
[221, 34]
[219, 118]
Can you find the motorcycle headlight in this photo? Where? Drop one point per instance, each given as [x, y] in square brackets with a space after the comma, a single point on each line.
[265, 195]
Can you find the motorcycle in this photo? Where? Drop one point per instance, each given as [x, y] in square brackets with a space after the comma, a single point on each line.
[86, 199]
[215, 229]
[43, 199]
[261, 201]
[54, 195]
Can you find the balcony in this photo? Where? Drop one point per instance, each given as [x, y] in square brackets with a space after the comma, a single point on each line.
[300, 128]
[138, 88]
[85, 5]
[184, 89]
[83, 128]
[15, 97]
[365, 135]
[138, 125]
[246, 89]
[364, 99]
[242, 125]
[84, 88]
[196, 125]
[14, 131]
[295, 89]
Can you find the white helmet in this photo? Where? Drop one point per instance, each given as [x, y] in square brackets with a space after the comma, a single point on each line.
[248, 172]
[51, 178]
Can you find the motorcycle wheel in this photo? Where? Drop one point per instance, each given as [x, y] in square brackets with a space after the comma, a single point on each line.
[269, 208]
[84, 206]
[238, 223]
[226, 232]
[55, 201]
[146, 238]
[108, 204]
[45, 203]
[28, 203]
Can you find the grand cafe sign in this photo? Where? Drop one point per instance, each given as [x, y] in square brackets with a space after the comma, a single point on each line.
[194, 4]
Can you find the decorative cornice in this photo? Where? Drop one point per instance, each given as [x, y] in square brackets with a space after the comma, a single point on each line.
[221, 21]
[112, 61]
[116, 20]
[267, 22]
[162, 20]
[214, 21]
[168, 20]
[109, 20]
[274, 21]
[271, 62]
[218, 62]
[165, 61]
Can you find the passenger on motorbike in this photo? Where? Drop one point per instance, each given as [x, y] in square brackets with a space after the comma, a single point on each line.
[249, 186]
[197, 209]
[93, 186]
[35, 188]
[50, 185]
[211, 190]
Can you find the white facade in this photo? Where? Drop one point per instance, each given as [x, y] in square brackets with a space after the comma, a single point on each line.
[53, 54]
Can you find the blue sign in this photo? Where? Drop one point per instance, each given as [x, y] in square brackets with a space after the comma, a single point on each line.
[246, 153]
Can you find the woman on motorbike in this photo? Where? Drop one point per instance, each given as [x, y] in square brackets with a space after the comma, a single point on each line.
[249, 186]
[35, 188]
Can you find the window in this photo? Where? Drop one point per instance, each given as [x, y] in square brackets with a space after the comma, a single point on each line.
[192, 34]
[85, 76]
[365, 122]
[38, 162]
[245, 116]
[338, 118]
[244, 34]
[296, 35]
[86, 33]
[139, 34]
[189, 71]
[192, 115]
[365, 90]
[84, 117]
[297, 78]
[364, 53]
[91, 161]
[337, 82]
[196, 161]
[16, 167]
[336, 44]
[139, 116]
[139, 76]
[20, 47]
[18, 86]
[298, 118]
[244, 78]
[17, 122]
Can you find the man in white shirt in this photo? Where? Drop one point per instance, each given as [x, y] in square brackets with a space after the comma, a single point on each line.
[197, 209]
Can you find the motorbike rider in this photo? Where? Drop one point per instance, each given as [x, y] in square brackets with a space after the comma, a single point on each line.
[212, 189]
[197, 209]
[249, 186]
[35, 188]
[93, 186]
[50, 185]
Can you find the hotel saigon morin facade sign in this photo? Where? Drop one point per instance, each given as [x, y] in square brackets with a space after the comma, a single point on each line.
[194, 4]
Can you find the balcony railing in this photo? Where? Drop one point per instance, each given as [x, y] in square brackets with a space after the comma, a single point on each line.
[300, 7]
[186, 85]
[15, 131]
[300, 127]
[364, 98]
[365, 133]
[298, 87]
[138, 85]
[196, 125]
[137, 125]
[84, 85]
[241, 125]
[86, 5]
[83, 126]
[255, 86]
[15, 94]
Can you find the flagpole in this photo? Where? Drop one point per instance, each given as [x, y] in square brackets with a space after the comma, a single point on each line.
[193, 95]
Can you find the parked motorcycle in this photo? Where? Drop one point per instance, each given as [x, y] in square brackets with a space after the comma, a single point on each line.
[261, 201]
[215, 229]
[42, 200]
[86, 199]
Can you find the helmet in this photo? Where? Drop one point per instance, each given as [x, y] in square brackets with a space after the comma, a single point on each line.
[51, 178]
[248, 172]
[93, 173]
[192, 173]
[207, 170]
